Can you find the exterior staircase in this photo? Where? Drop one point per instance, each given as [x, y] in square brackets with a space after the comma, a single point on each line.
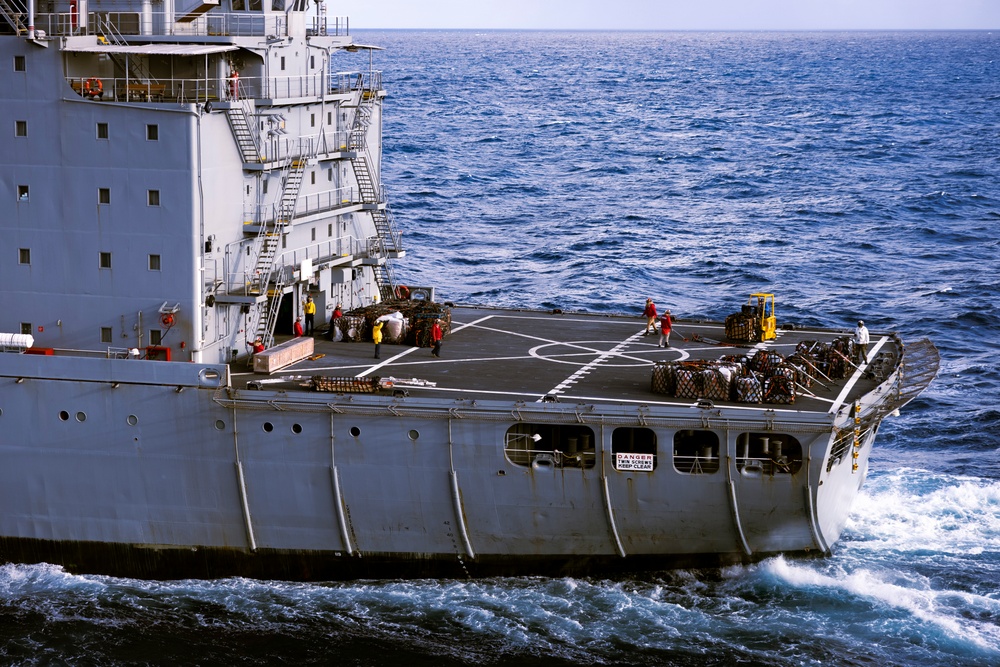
[15, 14]
[246, 138]
[388, 240]
[268, 240]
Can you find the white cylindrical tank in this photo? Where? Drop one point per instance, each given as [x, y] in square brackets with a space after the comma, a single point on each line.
[19, 341]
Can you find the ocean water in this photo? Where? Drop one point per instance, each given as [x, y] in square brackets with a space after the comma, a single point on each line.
[852, 174]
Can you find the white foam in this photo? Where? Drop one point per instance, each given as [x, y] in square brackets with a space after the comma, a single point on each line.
[918, 511]
[941, 609]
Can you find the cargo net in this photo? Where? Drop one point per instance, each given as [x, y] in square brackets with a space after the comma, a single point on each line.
[834, 359]
[406, 322]
[765, 377]
[742, 327]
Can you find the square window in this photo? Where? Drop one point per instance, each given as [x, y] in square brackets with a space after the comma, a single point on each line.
[155, 336]
[19, 66]
[153, 197]
[106, 335]
[152, 133]
[105, 260]
[102, 130]
[20, 128]
[154, 262]
[22, 193]
[24, 256]
[103, 195]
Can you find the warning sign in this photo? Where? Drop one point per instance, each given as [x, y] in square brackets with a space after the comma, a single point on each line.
[625, 461]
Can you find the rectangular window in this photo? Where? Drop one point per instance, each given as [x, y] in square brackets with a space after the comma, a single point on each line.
[102, 130]
[312, 120]
[312, 177]
[312, 62]
[282, 63]
[19, 66]
[24, 256]
[103, 195]
[22, 193]
[265, 185]
[26, 328]
[329, 174]
[152, 133]
[329, 118]
[105, 260]
[20, 128]
[153, 197]
[154, 262]
[106, 335]
[313, 234]
[329, 230]
[155, 336]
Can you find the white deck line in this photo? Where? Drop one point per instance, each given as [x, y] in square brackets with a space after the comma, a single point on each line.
[414, 349]
[839, 401]
[584, 370]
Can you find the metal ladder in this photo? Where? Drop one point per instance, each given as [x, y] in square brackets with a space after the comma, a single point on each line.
[388, 239]
[246, 138]
[15, 14]
[135, 68]
[267, 243]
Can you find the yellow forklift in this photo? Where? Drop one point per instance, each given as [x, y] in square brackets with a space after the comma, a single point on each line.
[755, 322]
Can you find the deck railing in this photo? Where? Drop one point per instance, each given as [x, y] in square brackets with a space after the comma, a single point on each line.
[211, 24]
[202, 90]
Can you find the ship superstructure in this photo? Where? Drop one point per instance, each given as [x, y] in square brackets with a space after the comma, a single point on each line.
[179, 181]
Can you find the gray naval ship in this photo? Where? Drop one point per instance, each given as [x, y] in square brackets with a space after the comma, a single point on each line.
[183, 179]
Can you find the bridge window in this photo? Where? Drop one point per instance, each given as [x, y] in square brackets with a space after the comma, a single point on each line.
[634, 449]
[768, 454]
[696, 452]
[550, 445]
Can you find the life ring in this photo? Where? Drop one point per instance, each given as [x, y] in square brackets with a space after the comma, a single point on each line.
[402, 292]
[167, 320]
[93, 87]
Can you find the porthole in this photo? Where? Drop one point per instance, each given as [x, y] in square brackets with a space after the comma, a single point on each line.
[355, 431]
[132, 420]
[296, 428]
[81, 416]
[268, 427]
[63, 415]
[413, 434]
[220, 425]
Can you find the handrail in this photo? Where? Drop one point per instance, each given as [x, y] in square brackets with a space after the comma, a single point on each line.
[211, 24]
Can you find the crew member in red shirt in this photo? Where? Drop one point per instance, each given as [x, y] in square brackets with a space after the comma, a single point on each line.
[436, 337]
[650, 313]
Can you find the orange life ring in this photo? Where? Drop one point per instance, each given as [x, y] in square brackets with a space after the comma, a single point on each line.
[93, 87]
[402, 292]
[167, 320]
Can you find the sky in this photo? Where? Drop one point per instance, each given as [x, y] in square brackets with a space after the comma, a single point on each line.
[672, 14]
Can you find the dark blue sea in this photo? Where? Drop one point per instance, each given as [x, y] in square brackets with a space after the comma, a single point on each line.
[855, 175]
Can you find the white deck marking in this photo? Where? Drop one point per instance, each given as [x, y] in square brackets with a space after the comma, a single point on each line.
[839, 401]
[575, 377]
[414, 349]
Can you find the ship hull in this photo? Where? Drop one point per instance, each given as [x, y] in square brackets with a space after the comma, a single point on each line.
[157, 469]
